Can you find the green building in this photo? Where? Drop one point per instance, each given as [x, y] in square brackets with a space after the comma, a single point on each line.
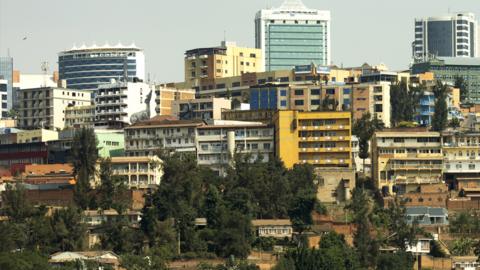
[111, 143]
[448, 68]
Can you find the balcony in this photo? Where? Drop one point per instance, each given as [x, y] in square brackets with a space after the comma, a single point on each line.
[325, 149]
[326, 127]
[427, 167]
[326, 138]
[416, 180]
[340, 162]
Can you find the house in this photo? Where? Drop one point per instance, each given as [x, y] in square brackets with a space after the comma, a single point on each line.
[104, 258]
[277, 228]
[465, 263]
[96, 218]
[427, 215]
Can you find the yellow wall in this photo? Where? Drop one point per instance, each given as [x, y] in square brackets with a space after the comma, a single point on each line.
[288, 124]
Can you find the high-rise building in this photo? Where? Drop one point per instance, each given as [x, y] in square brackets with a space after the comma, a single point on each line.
[6, 92]
[227, 60]
[454, 35]
[293, 35]
[87, 67]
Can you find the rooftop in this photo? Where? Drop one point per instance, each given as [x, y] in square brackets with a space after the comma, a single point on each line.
[271, 222]
[166, 121]
[106, 46]
[422, 210]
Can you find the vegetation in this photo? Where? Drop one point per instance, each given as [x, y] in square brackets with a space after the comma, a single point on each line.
[440, 115]
[85, 156]
[403, 100]
[364, 128]
[461, 84]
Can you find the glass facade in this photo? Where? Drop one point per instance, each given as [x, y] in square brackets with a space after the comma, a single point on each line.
[289, 45]
[6, 93]
[87, 69]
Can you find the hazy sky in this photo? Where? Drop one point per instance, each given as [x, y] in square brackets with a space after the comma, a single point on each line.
[373, 31]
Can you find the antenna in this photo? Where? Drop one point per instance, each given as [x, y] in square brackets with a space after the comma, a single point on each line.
[44, 68]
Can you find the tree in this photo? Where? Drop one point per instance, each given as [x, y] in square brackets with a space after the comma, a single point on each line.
[461, 84]
[440, 115]
[400, 260]
[16, 205]
[85, 155]
[463, 246]
[23, 260]
[454, 123]
[402, 233]
[69, 230]
[113, 189]
[364, 128]
[367, 247]
[403, 102]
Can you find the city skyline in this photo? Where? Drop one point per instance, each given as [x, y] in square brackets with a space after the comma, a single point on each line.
[147, 25]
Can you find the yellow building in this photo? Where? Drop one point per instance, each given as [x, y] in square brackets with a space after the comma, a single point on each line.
[322, 139]
[403, 159]
[226, 60]
[166, 95]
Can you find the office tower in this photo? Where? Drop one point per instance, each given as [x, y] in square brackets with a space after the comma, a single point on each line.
[454, 35]
[6, 90]
[293, 35]
[86, 68]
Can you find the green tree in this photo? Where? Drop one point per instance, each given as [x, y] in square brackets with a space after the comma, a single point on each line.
[113, 190]
[367, 248]
[69, 230]
[462, 246]
[402, 233]
[454, 123]
[404, 101]
[364, 128]
[461, 84]
[440, 115]
[16, 205]
[400, 260]
[85, 155]
[23, 260]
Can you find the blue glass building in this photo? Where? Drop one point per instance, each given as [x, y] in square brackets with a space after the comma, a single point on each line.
[86, 68]
[293, 35]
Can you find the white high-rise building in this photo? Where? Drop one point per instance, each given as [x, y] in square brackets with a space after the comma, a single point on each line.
[453, 35]
[293, 35]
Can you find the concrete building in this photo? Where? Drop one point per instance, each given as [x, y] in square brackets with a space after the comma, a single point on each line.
[447, 69]
[138, 172]
[201, 109]
[227, 60]
[8, 135]
[219, 140]
[25, 153]
[403, 159]
[6, 85]
[373, 98]
[461, 151]
[165, 96]
[334, 184]
[427, 215]
[45, 107]
[88, 67]
[36, 135]
[123, 103]
[292, 35]
[277, 228]
[322, 139]
[80, 116]
[111, 143]
[455, 35]
[161, 132]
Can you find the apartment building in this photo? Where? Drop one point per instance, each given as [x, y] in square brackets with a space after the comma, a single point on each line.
[122, 103]
[80, 116]
[373, 98]
[322, 139]
[45, 107]
[461, 151]
[403, 159]
[161, 132]
[226, 60]
[219, 140]
[165, 96]
[138, 172]
[201, 109]
[37, 135]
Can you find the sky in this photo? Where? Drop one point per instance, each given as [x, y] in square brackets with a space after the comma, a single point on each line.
[371, 31]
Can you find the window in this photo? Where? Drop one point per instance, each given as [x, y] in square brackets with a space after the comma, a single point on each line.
[330, 91]
[266, 146]
[254, 146]
[253, 55]
[283, 93]
[283, 103]
[471, 166]
[299, 102]
[315, 92]
[315, 102]
[299, 92]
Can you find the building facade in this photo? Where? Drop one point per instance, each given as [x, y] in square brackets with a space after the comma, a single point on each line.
[6, 87]
[45, 107]
[145, 138]
[322, 139]
[80, 116]
[454, 35]
[293, 35]
[219, 140]
[373, 98]
[123, 103]
[37, 135]
[447, 69]
[404, 159]
[201, 109]
[88, 67]
[165, 96]
[226, 60]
